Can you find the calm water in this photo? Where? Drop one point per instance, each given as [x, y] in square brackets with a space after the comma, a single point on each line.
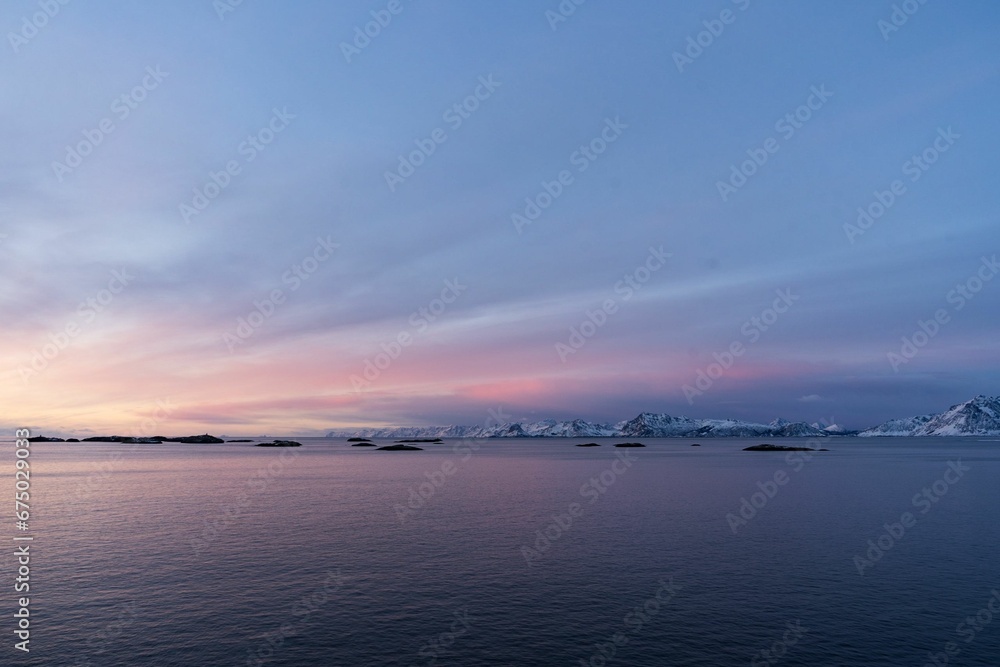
[232, 555]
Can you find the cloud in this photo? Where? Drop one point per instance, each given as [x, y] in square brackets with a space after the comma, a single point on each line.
[451, 220]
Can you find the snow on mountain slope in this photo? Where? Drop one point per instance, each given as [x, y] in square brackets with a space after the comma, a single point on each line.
[978, 416]
[645, 425]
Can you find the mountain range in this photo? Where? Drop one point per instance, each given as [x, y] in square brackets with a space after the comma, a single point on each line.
[978, 416]
[645, 425]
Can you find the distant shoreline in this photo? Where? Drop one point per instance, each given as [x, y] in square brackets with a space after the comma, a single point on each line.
[566, 438]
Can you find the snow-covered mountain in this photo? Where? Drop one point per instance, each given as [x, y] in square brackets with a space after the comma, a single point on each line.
[902, 427]
[546, 428]
[651, 425]
[833, 429]
[646, 425]
[979, 416]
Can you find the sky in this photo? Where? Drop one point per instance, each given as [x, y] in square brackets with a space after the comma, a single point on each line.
[284, 218]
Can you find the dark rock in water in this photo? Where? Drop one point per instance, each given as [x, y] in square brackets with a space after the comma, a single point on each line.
[122, 439]
[696, 445]
[402, 448]
[589, 444]
[42, 438]
[630, 444]
[279, 443]
[72, 440]
[781, 448]
[359, 440]
[239, 440]
[196, 439]
[422, 440]
[363, 444]
[155, 440]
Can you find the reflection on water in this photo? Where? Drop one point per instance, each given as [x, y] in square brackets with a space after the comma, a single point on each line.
[520, 552]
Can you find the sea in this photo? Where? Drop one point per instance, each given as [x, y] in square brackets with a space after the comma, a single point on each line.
[879, 552]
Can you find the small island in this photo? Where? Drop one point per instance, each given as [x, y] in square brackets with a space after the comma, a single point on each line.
[589, 444]
[120, 439]
[359, 440]
[196, 439]
[363, 444]
[781, 448]
[156, 439]
[630, 444]
[279, 443]
[401, 448]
